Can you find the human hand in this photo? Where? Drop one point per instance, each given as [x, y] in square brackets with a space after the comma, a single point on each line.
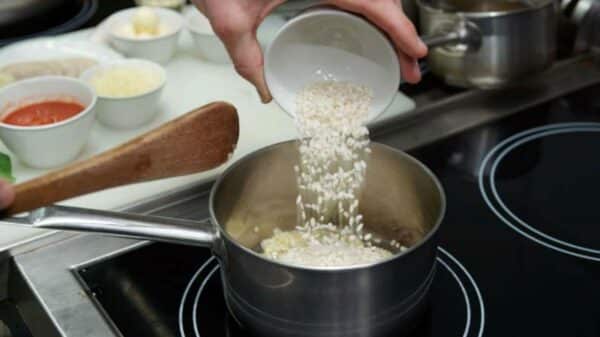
[236, 23]
[7, 194]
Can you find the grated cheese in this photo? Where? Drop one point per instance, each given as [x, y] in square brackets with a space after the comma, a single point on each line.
[124, 81]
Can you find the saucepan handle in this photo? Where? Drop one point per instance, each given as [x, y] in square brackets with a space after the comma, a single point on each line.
[154, 228]
[462, 32]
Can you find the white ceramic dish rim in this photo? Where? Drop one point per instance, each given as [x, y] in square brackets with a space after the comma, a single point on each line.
[59, 48]
[89, 107]
[329, 11]
[124, 12]
[149, 64]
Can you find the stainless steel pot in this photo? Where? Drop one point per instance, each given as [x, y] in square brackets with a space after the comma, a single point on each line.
[402, 201]
[488, 43]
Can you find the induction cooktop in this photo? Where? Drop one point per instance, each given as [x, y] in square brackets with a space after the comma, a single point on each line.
[519, 250]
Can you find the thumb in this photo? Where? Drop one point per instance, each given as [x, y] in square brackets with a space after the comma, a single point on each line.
[248, 59]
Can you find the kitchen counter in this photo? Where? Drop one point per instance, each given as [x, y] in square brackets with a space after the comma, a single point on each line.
[192, 82]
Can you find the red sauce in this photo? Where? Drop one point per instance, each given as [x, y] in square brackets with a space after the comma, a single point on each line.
[43, 113]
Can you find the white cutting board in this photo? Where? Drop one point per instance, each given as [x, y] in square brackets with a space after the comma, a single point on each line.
[191, 82]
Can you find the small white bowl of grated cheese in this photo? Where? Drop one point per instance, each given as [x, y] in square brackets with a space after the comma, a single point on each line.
[128, 91]
[326, 44]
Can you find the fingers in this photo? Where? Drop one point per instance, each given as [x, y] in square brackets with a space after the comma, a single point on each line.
[7, 194]
[409, 67]
[388, 16]
[235, 23]
[245, 52]
[248, 60]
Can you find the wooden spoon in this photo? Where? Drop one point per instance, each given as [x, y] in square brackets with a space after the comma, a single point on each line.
[198, 141]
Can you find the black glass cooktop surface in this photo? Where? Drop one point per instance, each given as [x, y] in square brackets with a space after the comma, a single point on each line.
[519, 248]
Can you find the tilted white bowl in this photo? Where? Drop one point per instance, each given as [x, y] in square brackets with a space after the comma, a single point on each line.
[330, 44]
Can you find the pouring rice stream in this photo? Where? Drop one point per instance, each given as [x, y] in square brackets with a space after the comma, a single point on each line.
[333, 150]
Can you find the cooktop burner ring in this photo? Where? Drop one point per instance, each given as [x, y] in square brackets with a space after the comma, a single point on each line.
[187, 291]
[475, 308]
[491, 196]
[473, 286]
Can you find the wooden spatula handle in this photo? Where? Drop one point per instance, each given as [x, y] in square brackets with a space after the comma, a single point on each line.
[197, 141]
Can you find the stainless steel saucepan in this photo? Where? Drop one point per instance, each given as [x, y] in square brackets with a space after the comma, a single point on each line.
[488, 43]
[402, 200]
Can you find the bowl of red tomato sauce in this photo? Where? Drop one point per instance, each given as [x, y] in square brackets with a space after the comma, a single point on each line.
[46, 121]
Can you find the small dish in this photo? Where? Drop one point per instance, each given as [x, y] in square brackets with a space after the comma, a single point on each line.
[329, 44]
[154, 48]
[51, 145]
[130, 111]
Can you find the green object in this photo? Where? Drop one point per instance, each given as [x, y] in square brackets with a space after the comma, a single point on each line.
[6, 168]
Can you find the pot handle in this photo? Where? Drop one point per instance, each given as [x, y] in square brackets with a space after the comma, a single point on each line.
[463, 32]
[136, 226]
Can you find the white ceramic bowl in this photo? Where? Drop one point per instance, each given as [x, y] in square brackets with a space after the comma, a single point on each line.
[206, 42]
[329, 44]
[132, 111]
[158, 49]
[50, 145]
[210, 47]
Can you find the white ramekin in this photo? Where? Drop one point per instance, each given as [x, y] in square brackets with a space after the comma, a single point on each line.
[132, 111]
[49, 145]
